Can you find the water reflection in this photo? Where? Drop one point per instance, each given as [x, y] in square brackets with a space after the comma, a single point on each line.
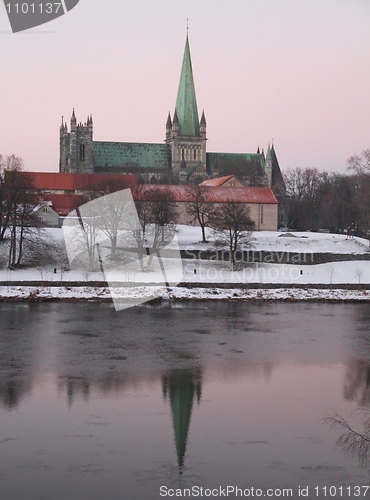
[19, 347]
[354, 437]
[182, 387]
[73, 386]
[191, 388]
[357, 382]
[12, 391]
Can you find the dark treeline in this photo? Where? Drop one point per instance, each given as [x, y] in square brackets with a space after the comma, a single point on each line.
[329, 200]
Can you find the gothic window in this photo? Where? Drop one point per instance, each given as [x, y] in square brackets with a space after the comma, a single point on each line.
[261, 214]
[183, 154]
[195, 154]
[82, 152]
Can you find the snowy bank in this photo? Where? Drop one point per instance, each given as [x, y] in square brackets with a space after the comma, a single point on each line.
[26, 293]
[207, 279]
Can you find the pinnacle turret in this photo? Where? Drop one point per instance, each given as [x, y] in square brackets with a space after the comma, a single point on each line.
[169, 122]
[168, 127]
[268, 167]
[268, 154]
[203, 126]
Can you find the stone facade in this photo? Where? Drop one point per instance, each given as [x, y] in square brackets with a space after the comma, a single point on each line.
[264, 216]
[76, 147]
[188, 153]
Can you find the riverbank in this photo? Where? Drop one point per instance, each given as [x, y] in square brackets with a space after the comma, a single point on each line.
[277, 266]
[182, 293]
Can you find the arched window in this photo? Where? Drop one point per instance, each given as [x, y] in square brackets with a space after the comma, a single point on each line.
[82, 152]
[195, 154]
[183, 154]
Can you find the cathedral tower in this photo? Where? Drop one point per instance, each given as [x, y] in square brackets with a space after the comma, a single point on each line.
[76, 154]
[185, 134]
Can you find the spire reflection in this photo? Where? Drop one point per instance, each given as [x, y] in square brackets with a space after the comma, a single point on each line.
[182, 386]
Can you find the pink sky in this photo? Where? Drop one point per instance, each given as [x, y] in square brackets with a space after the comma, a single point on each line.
[296, 72]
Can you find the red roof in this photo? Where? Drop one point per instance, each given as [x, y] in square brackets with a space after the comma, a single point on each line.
[218, 181]
[212, 194]
[78, 182]
[63, 204]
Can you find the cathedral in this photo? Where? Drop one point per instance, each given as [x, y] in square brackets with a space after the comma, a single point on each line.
[181, 159]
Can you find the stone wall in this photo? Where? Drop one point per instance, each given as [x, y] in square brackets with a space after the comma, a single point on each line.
[264, 216]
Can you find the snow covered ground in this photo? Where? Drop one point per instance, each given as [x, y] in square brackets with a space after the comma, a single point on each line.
[189, 237]
[356, 272]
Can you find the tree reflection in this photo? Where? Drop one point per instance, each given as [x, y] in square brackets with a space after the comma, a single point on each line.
[73, 386]
[355, 443]
[354, 439]
[12, 391]
[76, 386]
[357, 382]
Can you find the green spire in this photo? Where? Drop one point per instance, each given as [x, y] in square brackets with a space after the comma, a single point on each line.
[186, 102]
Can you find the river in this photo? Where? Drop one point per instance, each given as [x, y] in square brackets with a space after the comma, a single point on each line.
[160, 401]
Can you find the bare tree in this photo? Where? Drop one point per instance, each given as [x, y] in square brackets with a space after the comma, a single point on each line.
[163, 212]
[331, 273]
[233, 227]
[9, 180]
[157, 214]
[107, 216]
[113, 214]
[16, 205]
[109, 184]
[143, 209]
[81, 235]
[199, 210]
[325, 200]
[86, 231]
[359, 274]
[301, 188]
[354, 443]
[361, 200]
[360, 164]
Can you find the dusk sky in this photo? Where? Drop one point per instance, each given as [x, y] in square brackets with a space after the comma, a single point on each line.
[295, 72]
